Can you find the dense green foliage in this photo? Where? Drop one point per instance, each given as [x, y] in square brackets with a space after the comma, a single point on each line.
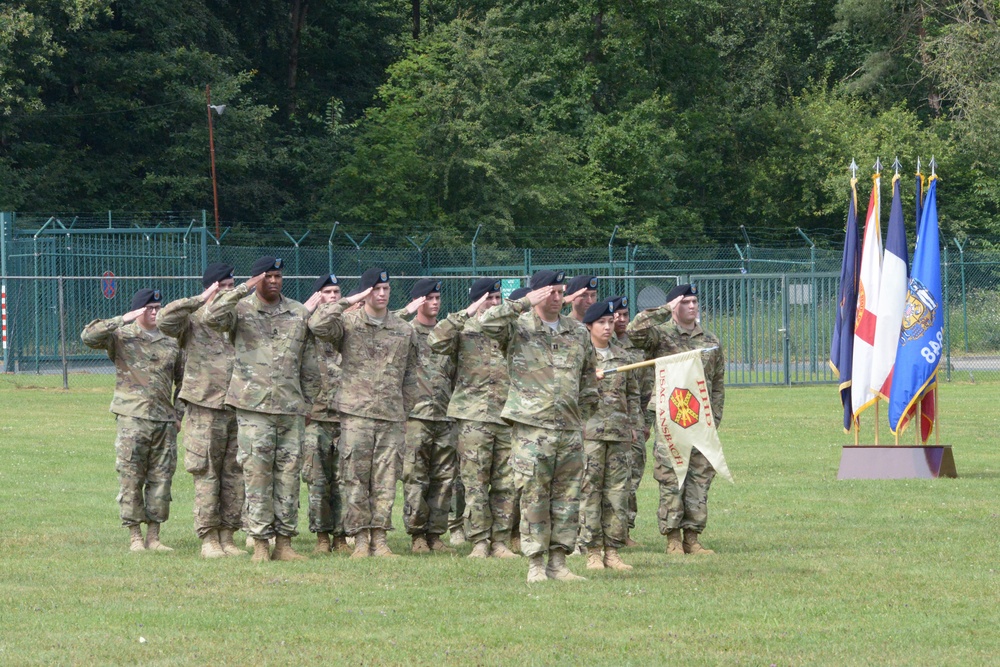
[548, 123]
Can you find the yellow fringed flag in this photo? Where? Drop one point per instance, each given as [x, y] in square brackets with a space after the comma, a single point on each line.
[684, 413]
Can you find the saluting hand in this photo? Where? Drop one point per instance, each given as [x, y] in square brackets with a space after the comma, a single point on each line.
[573, 297]
[210, 291]
[672, 305]
[474, 308]
[414, 305]
[360, 296]
[539, 295]
[256, 280]
[133, 315]
[313, 301]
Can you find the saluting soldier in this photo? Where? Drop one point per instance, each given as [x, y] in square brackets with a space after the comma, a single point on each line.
[670, 329]
[581, 294]
[320, 449]
[481, 385]
[269, 334]
[148, 369]
[429, 466]
[607, 442]
[210, 432]
[378, 388]
[644, 376]
[553, 391]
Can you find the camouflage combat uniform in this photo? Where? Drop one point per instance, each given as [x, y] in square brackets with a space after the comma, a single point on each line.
[148, 368]
[210, 427]
[637, 460]
[553, 391]
[377, 391]
[607, 443]
[429, 467]
[266, 392]
[320, 449]
[481, 386]
[658, 335]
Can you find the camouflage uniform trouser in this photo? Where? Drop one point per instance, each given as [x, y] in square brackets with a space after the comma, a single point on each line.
[210, 456]
[685, 508]
[271, 456]
[638, 467]
[369, 449]
[320, 472]
[548, 469]
[604, 494]
[484, 455]
[145, 459]
[428, 474]
[456, 515]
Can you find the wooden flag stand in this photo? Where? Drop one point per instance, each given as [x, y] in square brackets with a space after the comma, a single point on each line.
[898, 461]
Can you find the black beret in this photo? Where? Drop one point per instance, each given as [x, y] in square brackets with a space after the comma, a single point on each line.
[580, 283]
[544, 278]
[265, 264]
[425, 287]
[598, 310]
[216, 272]
[144, 297]
[620, 302]
[682, 290]
[519, 293]
[323, 281]
[482, 287]
[373, 277]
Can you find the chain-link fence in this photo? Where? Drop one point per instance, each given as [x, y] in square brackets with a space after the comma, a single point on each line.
[773, 308]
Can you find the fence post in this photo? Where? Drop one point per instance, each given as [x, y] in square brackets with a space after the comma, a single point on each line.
[5, 222]
[965, 303]
[476, 236]
[947, 317]
[62, 333]
[329, 248]
[813, 329]
[787, 342]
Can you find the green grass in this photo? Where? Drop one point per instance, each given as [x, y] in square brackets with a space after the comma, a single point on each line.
[809, 570]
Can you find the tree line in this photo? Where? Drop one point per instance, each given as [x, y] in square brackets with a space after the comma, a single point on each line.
[539, 122]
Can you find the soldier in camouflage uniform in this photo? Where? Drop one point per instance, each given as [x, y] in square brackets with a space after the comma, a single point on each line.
[671, 329]
[320, 449]
[553, 391]
[581, 294]
[379, 363]
[481, 386]
[644, 376]
[210, 430]
[269, 333]
[607, 441]
[429, 468]
[148, 368]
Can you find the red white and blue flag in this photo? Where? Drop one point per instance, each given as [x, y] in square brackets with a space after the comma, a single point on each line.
[891, 297]
[862, 396]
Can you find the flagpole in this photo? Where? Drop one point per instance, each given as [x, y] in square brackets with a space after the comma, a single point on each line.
[936, 424]
[652, 362]
[877, 443]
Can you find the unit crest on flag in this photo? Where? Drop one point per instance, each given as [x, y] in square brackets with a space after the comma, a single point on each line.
[684, 407]
[919, 313]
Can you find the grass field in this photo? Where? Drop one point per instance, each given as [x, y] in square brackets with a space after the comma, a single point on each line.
[808, 571]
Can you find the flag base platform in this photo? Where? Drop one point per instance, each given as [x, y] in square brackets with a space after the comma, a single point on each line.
[891, 462]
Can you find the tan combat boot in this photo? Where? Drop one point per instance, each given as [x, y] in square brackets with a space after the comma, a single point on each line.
[629, 542]
[210, 546]
[515, 543]
[283, 549]
[228, 546]
[536, 569]
[613, 561]
[420, 545]
[250, 544]
[675, 546]
[322, 544]
[594, 560]
[481, 550]
[693, 546]
[153, 538]
[261, 551]
[457, 536]
[380, 547]
[500, 550]
[339, 545]
[135, 542]
[557, 567]
[437, 545]
[362, 545]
